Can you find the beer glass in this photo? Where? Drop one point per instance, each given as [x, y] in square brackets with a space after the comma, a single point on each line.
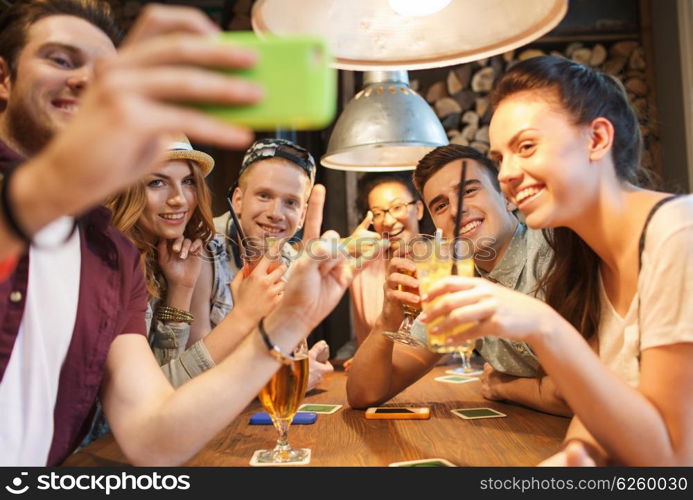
[281, 397]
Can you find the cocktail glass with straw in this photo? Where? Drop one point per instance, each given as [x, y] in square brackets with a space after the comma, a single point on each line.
[445, 259]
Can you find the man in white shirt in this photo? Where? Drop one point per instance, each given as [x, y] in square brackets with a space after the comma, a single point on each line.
[125, 110]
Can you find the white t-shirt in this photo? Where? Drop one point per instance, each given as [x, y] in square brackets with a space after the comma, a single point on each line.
[29, 388]
[662, 310]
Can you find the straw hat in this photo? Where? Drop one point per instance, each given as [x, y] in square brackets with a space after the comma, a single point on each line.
[181, 149]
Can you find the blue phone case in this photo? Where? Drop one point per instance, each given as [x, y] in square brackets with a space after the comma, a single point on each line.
[301, 418]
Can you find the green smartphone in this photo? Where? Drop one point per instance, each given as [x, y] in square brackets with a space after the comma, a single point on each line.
[300, 86]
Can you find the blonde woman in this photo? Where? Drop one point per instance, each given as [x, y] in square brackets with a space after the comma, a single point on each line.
[168, 217]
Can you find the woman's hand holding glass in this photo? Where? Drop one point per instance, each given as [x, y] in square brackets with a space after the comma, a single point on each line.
[493, 309]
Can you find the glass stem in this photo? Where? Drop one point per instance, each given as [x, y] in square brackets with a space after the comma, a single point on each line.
[466, 365]
[407, 323]
[283, 440]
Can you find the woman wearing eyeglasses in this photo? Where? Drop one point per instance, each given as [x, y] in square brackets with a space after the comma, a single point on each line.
[393, 208]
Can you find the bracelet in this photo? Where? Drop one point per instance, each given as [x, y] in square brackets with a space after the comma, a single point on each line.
[167, 313]
[7, 212]
[274, 351]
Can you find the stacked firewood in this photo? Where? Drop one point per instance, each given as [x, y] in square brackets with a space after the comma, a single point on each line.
[461, 98]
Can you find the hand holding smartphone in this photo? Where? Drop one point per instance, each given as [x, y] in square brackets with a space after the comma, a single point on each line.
[300, 87]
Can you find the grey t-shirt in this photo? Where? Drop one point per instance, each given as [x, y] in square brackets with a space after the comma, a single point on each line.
[522, 266]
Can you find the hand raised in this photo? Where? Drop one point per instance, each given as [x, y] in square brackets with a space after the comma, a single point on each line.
[362, 242]
[314, 211]
[495, 309]
[180, 262]
[134, 102]
[317, 281]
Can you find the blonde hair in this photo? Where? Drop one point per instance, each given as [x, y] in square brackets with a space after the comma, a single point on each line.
[242, 182]
[127, 208]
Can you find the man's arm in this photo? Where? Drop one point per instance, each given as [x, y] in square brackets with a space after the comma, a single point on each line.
[538, 393]
[254, 297]
[32, 206]
[381, 369]
[156, 425]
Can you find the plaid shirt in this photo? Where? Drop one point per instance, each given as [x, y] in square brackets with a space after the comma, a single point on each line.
[523, 264]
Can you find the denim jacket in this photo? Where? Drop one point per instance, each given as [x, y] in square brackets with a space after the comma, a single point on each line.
[168, 340]
[223, 273]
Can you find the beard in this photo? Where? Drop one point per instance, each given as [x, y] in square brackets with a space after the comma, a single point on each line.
[26, 131]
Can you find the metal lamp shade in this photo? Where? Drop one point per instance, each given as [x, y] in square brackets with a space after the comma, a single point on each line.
[386, 126]
[368, 35]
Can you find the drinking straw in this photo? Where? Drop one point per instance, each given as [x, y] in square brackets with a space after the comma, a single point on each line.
[458, 218]
[437, 241]
[239, 231]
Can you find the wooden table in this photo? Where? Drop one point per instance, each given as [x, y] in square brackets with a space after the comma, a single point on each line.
[346, 438]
